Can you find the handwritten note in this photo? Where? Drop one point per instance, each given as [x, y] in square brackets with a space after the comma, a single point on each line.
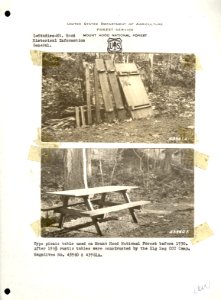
[202, 287]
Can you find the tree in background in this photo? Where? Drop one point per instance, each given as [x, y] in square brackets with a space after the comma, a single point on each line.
[82, 168]
[77, 168]
[167, 161]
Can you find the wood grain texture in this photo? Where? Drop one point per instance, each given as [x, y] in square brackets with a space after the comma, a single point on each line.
[93, 191]
[88, 94]
[104, 210]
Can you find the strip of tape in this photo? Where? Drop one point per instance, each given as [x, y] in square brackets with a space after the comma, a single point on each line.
[36, 226]
[201, 232]
[36, 57]
[49, 60]
[35, 150]
[45, 144]
[34, 153]
[201, 160]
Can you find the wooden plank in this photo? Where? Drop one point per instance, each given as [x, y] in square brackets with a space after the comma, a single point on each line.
[108, 203]
[126, 68]
[62, 216]
[105, 89]
[104, 210]
[141, 113]
[91, 209]
[127, 198]
[77, 116]
[134, 90]
[110, 65]
[97, 100]
[136, 96]
[102, 203]
[88, 94]
[95, 200]
[121, 112]
[140, 107]
[82, 116]
[158, 212]
[106, 92]
[99, 62]
[112, 203]
[94, 190]
[72, 212]
[116, 91]
[114, 84]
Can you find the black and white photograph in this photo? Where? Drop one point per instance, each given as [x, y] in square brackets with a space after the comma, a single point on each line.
[120, 97]
[109, 159]
[117, 192]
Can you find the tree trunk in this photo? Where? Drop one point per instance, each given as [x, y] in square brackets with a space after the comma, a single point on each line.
[76, 168]
[167, 161]
[151, 69]
[88, 158]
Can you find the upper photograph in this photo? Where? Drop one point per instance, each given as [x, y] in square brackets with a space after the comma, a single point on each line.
[118, 98]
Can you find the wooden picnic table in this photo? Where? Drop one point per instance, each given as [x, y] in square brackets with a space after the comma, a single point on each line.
[105, 206]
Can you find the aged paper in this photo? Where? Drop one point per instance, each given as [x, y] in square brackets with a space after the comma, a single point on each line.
[39, 40]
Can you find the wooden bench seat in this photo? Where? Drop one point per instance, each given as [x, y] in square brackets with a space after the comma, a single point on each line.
[101, 211]
[95, 200]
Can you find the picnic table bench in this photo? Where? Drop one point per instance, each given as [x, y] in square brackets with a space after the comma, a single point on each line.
[104, 206]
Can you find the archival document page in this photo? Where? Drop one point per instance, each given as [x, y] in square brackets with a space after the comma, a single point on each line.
[110, 151]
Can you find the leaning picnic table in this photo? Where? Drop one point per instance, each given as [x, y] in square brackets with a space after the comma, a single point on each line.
[87, 194]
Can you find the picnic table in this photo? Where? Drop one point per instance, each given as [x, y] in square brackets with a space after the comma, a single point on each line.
[104, 206]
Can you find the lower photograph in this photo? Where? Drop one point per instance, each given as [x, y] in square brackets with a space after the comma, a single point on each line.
[128, 192]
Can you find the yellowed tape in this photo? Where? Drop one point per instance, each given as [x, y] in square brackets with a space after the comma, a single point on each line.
[35, 150]
[36, 226]
[36, 57]
[201, 233]
[48, 60]
[34, 153]
[45, 144]
[201, 160]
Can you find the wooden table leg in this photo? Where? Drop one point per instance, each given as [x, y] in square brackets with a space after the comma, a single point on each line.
[101, 204]
[94, 219]
[131, 210]
[64, 199]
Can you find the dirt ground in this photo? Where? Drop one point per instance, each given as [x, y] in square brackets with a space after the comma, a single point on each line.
[175, 220]
[149, 130]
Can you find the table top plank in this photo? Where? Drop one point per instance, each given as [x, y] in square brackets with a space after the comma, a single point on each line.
[93, 191]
